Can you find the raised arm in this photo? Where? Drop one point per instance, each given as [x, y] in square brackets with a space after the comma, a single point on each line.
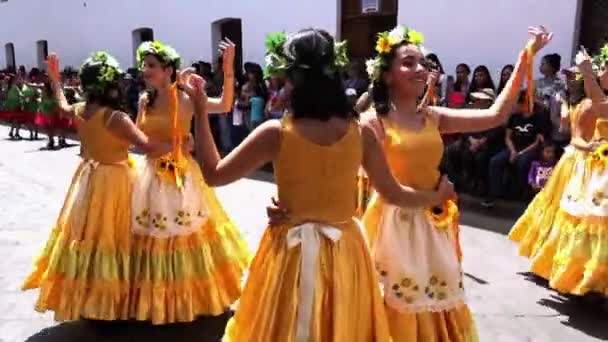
[592, 89]
[376, 167]
[224, 103]
[474, 120]
[259, 148]
[62, 103]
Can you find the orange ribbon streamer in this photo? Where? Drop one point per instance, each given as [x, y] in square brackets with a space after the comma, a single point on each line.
[176, 134]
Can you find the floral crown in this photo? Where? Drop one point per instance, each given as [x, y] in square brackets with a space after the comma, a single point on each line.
[165, 52]
[601, 58]
[278, 60]
[386, 41]
[109, 72]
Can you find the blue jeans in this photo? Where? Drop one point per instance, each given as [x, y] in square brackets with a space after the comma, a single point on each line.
[499, 166]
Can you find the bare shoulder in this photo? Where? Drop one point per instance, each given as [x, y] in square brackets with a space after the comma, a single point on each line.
[270, 128]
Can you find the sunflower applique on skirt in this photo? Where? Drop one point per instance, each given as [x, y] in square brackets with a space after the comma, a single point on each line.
[188, 257]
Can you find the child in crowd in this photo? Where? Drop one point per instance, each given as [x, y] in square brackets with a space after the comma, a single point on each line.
[239, 129]
[256, 103]
[541, 169]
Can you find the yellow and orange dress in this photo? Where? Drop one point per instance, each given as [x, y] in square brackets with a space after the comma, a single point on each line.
[312, 279]
[534, 226]
[418, 258]
[84, 270]
[575, 256]
[188, 257]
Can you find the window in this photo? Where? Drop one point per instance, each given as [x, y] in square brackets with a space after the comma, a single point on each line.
[370, 6]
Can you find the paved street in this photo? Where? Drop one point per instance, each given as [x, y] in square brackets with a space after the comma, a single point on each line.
[508, 306]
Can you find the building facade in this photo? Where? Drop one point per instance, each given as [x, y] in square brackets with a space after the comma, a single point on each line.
[489, 32]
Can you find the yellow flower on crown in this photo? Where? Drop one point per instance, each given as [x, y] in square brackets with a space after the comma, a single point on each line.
[414, 37]
[383, 45]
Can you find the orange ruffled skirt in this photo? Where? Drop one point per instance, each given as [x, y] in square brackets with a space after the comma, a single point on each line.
[347, 303]
[84, 269]
[176, 278]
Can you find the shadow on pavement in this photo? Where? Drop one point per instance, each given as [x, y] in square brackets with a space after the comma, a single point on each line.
[588, 318]
[204, 329]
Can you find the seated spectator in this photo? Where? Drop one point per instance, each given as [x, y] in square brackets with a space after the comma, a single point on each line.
[541, 169]
[524, 135]
[466, 159]
[550, 92]
[481, 80]
[479, 147]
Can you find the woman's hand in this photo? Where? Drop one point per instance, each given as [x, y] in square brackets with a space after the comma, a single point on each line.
[227, 50]
[192, 84]
[276, 215]
[52, 61]
[584, 63]
[445, 190]
[540, 38]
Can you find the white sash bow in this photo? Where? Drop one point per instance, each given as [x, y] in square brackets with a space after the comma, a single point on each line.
[308, 235]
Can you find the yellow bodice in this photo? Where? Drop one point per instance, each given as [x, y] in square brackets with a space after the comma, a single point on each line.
[98, 143]
[157, 123]
[414, 156]
[601, 130]
[318, 182]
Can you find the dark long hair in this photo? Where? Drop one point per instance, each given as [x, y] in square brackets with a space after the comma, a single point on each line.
[503, 83]
[474, 87]
[152, 93]
[380, 92]
[318, 90]
[108, 96]
[458, 83]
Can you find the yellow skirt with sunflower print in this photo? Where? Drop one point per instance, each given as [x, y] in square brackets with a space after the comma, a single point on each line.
[84, 269]
[188, 258]
[420, 273]
[533, 228]
[575, 256]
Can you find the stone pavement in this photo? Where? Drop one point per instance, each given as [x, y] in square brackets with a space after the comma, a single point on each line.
[508, 305]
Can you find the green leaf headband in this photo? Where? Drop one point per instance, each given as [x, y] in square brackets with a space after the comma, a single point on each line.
[277, 60]
[166, 53]
[385, 43]
[601, 59]
[109, 72]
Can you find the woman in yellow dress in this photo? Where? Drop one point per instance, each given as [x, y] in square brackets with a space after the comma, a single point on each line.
[84, 270]
[533, 228]
[575, 256]
[416, 249]
[312, 278]
[188, 257]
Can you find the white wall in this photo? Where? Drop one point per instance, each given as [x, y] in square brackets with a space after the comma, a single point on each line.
[75, 28]
[489, 32]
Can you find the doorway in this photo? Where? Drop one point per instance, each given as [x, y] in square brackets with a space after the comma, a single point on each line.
[362, 20]
[139, 36]
[42, 52]
[230, 28]
[9, 52]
